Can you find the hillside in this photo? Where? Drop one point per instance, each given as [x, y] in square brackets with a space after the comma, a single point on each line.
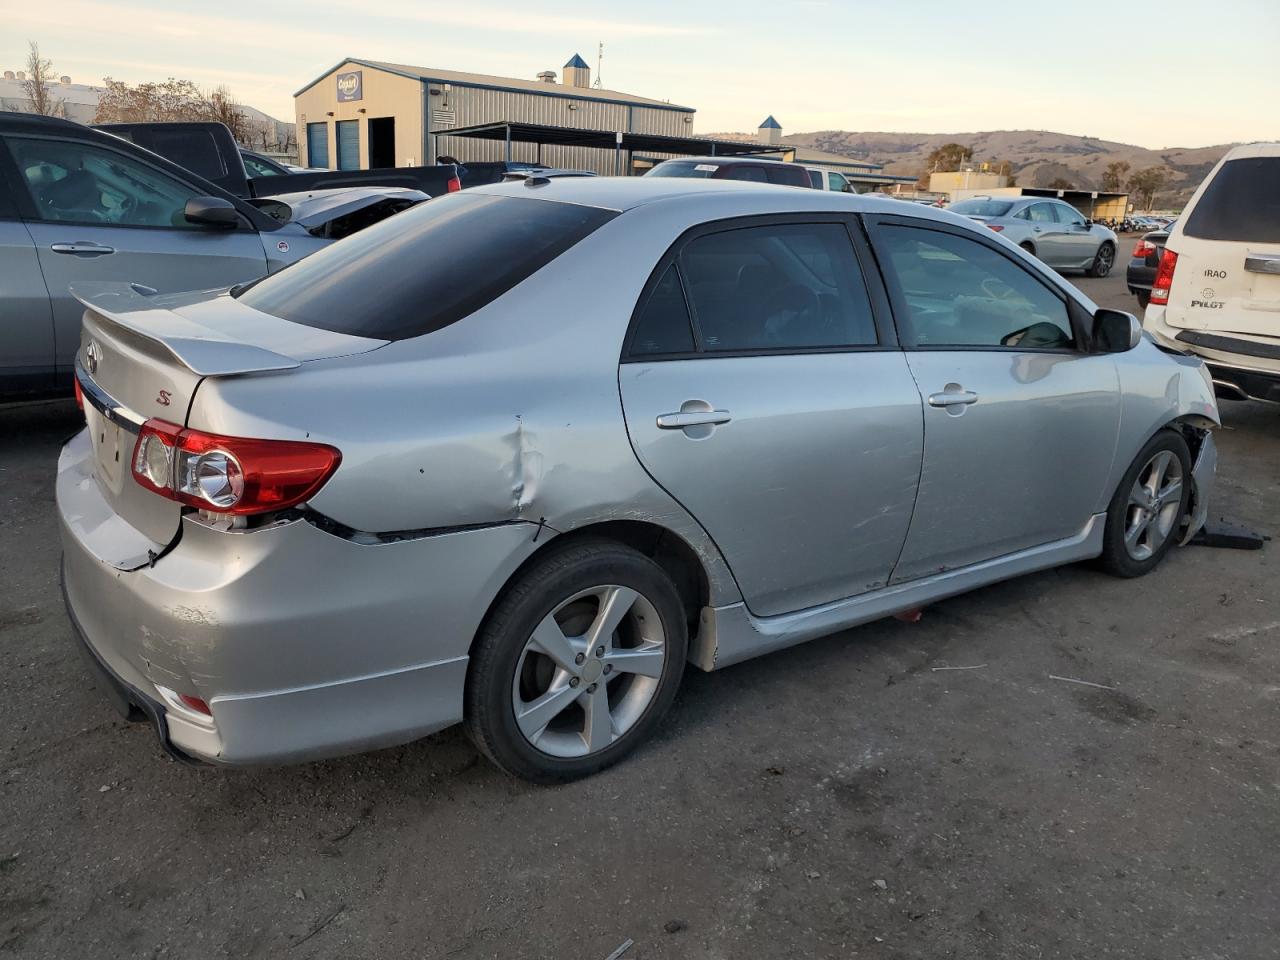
[1038, 156]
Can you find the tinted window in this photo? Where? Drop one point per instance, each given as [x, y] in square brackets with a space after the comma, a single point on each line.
[1241, 203]
[257, 168]
[81, 183]
[787, 174]
[959, 292]
[197, 150]
[1041, 213]
[777, 287]
[663, 324]
[836, 181]
[815, 178]
[682, 168]
[981, 207]
[425, 268]
[740, 172]
[1067, 214]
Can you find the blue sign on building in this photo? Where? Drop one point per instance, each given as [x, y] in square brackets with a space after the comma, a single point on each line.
[350, 86]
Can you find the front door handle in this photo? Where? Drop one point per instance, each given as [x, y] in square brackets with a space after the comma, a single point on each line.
[692, 418]
[953, 398]
[82, 248]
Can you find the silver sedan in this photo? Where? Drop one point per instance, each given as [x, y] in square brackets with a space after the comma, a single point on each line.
[1056, 232]
[515, 457]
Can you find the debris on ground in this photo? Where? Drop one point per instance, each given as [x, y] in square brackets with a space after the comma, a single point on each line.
[623, 947]
[1083, 683]
[675, 926]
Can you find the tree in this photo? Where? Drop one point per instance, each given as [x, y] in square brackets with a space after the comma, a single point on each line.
[1113, 175]
[39, 84]
[1061, 183]
[1146, 183]
[948, 157]
[171, 100]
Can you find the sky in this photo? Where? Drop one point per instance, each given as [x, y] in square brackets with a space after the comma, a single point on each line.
[1157, 74]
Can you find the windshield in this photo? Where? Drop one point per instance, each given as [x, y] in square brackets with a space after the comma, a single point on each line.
[426, 268]
[981, 207]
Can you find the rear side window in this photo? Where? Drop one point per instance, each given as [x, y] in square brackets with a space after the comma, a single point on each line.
[739, 172]
[777, 287]
[787, 174]
[663, 325]
[1241, 203]
[426, 268]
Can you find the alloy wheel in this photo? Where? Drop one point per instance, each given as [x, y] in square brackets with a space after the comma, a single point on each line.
[589, 671]
[1106, 259]
[1154, 504]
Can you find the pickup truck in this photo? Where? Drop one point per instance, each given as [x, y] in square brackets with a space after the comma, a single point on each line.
[79, 204]
[209, 150]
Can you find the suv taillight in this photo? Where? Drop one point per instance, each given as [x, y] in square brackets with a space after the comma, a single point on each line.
[1164, 277]
[233, 475]
[454, 185]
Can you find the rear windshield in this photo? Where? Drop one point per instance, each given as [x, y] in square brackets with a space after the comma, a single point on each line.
[1241, 203]
[981, 207]
[426, 268]
[671, 168]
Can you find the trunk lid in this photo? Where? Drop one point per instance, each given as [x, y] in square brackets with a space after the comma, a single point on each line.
[143, 356]
[1228, 244]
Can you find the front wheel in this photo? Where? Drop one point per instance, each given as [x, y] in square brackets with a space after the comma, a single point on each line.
[577, 662]
[1103, 261]
[1148, 507]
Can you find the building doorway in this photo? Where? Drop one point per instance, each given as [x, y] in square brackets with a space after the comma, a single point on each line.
[382, 142]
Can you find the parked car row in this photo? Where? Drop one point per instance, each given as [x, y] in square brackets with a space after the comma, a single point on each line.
[1050, 229]
[511, 490]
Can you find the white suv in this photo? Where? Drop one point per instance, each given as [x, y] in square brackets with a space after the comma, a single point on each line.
[1217, 289]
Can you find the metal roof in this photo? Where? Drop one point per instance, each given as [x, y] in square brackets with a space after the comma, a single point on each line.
[510, 84]
[577, 61]
[607, 139]
[770, 123]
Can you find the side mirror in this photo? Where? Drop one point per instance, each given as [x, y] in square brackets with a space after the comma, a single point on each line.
[1088, 222]
[212, 212]
[1115, 331]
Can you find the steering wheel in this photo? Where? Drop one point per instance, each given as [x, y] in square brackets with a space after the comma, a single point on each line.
[997, 289]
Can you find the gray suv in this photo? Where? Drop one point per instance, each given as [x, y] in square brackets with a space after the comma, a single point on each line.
[1056, 232]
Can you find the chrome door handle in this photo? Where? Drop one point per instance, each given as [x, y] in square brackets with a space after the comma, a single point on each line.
[953, 398]
[83, 248]
[692, 418]
[1263, 263]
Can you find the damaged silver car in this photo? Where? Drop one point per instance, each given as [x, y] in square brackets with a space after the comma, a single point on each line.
[627, 425]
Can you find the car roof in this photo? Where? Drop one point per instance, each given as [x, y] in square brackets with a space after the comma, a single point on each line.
[626, 193]
[14, 122]
[1253, 150]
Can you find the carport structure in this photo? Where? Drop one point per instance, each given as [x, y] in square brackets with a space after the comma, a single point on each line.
[648, 145]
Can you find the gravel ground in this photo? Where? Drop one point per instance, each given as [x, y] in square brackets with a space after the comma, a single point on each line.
[849, 798]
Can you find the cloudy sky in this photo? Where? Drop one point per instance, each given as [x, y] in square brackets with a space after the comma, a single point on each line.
[1166, 73]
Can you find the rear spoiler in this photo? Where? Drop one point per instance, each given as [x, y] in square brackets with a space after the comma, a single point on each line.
[202, 350]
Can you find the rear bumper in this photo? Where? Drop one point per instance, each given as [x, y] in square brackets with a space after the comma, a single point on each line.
[304, 644]
[1242, 369]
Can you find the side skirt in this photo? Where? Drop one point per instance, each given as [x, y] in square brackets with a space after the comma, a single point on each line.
[731, 634]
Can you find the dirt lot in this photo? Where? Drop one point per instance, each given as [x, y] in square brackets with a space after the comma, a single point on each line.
[844, 799]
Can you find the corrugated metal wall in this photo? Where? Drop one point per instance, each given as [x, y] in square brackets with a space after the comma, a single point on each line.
[468, 106]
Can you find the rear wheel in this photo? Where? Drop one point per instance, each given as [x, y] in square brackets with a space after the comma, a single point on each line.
[1027, 246]
[1103, 261]
[1147, 509]
[577, 663]
[1144, 298]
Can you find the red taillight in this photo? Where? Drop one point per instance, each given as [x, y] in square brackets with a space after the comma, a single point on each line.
[196, 704]
[233, 475]
[1164, 277]
[79, 394]
[1143, 249]
[994, 226]
[454, 185]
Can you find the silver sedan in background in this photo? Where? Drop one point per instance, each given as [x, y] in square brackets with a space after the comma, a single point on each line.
[1052, 230]
[514, 457]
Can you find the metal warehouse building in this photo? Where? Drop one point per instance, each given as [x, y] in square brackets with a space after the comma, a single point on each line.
[365, 113]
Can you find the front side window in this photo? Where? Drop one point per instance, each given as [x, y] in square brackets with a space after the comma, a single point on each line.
[836, 182]
[1068, 215]
[1041, 213]
[257, 168]
[961, 293]
[81, 183]
[777, 287]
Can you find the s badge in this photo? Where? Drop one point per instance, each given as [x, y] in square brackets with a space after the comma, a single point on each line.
[164, 398]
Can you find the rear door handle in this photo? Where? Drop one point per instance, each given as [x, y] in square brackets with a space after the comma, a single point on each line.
[1263, 263]
[954, 398]
[82, 248]
[692, 418]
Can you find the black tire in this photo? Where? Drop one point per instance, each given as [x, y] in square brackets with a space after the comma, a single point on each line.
[1116, 559]
[489, 713]
[1144, 299]
[1103, 260]
[1028, 246]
